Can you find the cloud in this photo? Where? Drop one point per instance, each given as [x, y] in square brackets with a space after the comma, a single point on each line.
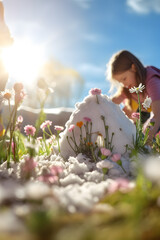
[83, 3]
[144, 6]
[92, 37]
[91, 69]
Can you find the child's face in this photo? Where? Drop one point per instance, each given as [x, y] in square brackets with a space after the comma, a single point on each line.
[127, 78]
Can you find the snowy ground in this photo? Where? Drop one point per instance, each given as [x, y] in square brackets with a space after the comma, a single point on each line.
[81, 184]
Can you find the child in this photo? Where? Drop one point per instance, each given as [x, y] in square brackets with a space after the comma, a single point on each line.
[127, 71]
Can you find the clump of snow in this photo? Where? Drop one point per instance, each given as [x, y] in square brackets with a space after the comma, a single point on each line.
[71, 179]
[94, 176]
[80, 198]
[36, 190]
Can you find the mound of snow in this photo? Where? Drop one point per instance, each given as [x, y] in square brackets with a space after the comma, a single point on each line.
[123, 128]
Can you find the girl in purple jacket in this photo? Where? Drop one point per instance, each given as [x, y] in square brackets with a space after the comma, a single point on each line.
[125, 71]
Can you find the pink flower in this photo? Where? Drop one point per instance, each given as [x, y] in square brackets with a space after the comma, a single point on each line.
[45, 124]
[105, 152]
[18, 87]
[20, 119]
[87, 119]
[95, 91]
[71, 127]
[48, 178]
[116, 157]
[52, 175]
[19, 122]
[19, 96]
[121, 184]
[29, 130]
[58, 128]
[56, 170]
[135, 115]
[29, 164]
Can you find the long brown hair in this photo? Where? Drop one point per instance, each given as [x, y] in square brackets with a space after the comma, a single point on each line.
[121, 62]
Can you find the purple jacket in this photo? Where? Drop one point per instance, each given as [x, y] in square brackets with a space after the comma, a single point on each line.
[153, 83]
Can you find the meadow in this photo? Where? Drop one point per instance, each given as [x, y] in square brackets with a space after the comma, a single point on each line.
[98, 190]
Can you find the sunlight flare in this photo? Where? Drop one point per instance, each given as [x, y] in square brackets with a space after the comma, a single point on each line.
[23, 60]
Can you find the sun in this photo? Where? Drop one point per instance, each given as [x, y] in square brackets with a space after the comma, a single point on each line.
[23, 60]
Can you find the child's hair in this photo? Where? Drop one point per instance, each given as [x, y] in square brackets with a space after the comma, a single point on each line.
[121, 62]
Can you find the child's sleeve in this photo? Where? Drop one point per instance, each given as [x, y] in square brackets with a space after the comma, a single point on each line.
[153, 88]
[118, 98]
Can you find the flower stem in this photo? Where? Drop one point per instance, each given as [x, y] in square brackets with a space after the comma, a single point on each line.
[71, 145]
[140, 113]
[97, 99]
[74, 140]
[58, 142]
[123, 169]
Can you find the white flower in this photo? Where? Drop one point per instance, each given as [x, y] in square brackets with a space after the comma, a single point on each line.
[100, 141]
[147, 102]
[137, 89]
[6, 95]
[104, 164]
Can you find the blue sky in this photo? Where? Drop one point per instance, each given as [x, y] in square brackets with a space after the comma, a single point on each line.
[83, 34]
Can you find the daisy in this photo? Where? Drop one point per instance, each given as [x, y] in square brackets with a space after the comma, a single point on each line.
[138, 89]
[147, 102]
